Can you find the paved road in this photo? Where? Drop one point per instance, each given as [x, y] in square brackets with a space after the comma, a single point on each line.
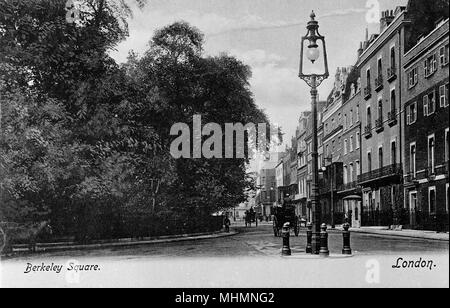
[250, 259]
[261, 242]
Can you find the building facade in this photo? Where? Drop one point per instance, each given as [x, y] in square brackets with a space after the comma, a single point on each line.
[379, 66]
[426, 133]
[350, 192]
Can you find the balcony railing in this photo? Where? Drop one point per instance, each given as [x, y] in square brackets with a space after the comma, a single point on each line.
[379, 83]
[391, 74]
[385, 172]
[368, 131]
[392, 117]
[367, 92]
[348, 186]
[432, 172]
[411, 177]
[379, 125]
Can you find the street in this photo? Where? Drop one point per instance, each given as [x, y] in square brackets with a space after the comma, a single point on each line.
[259, 241]
[250, 258]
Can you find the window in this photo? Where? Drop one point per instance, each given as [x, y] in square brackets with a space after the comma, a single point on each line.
[380, 109]
[380, 157]
[351, 117]
[394, 153]
[430, 65]
[345, 121]
[413, 77]
[413, 201]
[443, 55]
[432, 199]
[345, 147]
[369, 117]
[443, 95]
[412, 157]
[429, 104]
[393, 64]
[447, 149]
[358, 168]
[431, 152]
[380, 67]
[393, 101]
[345, 175]
[368, 77]
[327, 151]
[411, 114]
[357, 114]
[369, 162]
[350, 175]
[351, 143]
[447, 197]
[358, 138]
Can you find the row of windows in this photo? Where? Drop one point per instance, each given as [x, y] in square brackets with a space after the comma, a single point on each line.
[351, 172]
[432, 201]
[429, 104]
[393, 158]
[430, 66]
[390, 70]
[348, 147]
[393, 108]
[431, 154]
[347, 122]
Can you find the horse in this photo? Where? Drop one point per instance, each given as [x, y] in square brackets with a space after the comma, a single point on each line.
[28, 233]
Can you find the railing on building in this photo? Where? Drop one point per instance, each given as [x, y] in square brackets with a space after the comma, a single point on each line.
[368, 131]
[379, 83]
[367, 92]
[391, 74]
[349, 186]
[392, 170]
[379, 125]
[392, 117]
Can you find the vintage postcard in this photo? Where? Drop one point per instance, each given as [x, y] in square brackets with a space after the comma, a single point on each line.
[218, 145]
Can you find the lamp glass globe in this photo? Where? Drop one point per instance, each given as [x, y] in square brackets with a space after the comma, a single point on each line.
[313, 54]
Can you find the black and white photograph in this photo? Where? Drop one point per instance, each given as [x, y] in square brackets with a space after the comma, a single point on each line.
[225, 150]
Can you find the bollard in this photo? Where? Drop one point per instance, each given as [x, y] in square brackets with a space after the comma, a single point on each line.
[309, 238]
[324, 252]
[346, 234]
[286, 251]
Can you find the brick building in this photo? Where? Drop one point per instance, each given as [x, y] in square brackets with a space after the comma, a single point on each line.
[350, 192]
[426, 133]
[379, 65]
[302, 162]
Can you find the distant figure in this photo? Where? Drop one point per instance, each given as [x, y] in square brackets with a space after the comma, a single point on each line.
[227, 223]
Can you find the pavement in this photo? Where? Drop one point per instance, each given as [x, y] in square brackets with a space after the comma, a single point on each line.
[251, 258]
[417, 234]
[122, 243]
[384, 231]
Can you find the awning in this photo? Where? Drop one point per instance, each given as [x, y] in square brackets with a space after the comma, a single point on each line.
[353, 197]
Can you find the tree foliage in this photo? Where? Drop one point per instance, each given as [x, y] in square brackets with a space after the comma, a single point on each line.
[85, 142]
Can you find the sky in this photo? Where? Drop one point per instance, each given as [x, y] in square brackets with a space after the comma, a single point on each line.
[266, 35]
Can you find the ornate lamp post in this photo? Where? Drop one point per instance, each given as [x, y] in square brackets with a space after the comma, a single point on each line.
[314, 80]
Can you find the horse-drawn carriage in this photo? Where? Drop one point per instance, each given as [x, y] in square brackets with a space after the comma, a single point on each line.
[283, 214]
[251, 218]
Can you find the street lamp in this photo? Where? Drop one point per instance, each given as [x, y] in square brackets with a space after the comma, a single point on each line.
[314, 80]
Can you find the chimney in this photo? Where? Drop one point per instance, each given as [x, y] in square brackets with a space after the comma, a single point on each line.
[360, 49]
[386, 19]
[366, 40]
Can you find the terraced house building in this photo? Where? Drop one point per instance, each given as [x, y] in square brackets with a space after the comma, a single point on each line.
[426, 135]
[380, 67]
